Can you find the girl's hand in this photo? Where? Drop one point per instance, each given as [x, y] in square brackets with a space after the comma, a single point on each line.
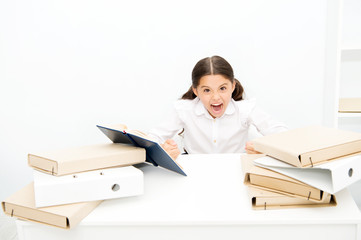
[171, 147]
[250, 149]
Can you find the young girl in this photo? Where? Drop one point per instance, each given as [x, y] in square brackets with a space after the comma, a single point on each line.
[213, 114]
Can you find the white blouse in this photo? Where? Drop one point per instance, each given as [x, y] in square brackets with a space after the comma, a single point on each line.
[204, 134]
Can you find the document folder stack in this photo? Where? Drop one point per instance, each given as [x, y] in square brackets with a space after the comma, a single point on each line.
[70, 183]
[350, 105]
[309, 146]
[309, 163]
[271, 190]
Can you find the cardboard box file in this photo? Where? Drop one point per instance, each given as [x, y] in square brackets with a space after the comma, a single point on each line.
[270, 180]
[266, 179]
[262, 200]
[331, 176]
[22, 205]
[349, 105]
[87, 186]
[86, 158]
[308, 146]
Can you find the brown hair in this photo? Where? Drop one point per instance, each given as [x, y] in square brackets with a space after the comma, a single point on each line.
[213, 66]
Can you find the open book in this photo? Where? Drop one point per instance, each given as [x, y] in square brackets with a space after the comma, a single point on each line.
[155, 154]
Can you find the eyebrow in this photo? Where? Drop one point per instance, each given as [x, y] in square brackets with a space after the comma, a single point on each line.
[205, 86]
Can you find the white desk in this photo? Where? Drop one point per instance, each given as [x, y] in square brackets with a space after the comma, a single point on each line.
[210, 203]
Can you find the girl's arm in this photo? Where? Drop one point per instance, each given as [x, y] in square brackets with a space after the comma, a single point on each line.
[265, 123]
[164, 133]
[167, 129]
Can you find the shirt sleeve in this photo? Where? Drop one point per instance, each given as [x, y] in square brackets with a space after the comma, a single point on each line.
[264, 122]
[168, 128]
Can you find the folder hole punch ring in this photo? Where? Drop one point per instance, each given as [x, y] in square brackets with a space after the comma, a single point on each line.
[350, 172]
[265, 205]
[115, 187]
[101, 173]
[311, 162]
[75, 176]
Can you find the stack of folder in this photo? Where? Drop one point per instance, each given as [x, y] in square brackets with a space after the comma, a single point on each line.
[70, 183]
[350, 105]
[302, 167]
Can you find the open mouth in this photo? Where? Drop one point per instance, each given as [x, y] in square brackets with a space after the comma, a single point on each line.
[217, 108]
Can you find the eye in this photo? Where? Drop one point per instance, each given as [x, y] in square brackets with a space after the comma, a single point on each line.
[206, 90]
[223, 88]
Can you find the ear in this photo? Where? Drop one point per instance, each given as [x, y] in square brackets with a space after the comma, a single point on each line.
[195, 91]
[233, 85]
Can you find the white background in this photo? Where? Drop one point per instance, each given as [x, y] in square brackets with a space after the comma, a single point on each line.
[66, 66]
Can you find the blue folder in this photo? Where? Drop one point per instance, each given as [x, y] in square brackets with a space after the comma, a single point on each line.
[155, 154]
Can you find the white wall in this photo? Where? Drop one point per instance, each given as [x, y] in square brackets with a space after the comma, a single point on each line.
[66, 66]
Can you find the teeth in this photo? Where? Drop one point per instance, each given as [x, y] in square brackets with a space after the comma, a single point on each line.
[216, 105]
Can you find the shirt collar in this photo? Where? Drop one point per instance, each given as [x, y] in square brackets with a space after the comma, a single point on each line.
[201, 110]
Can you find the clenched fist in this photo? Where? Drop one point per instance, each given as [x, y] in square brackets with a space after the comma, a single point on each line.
[171, 147]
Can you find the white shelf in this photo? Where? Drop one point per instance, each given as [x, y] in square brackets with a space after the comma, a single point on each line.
[349, 78]
[349, 115]
[351, 48]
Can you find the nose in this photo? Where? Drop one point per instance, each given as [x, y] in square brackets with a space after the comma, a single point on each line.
[215, 96]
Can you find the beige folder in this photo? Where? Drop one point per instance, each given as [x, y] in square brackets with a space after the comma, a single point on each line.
[269, 180]
[85, 158]
[308, 146]
[22, 205]
[262, 199]
[349, 105]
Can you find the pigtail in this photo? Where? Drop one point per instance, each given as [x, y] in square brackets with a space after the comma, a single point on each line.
[237, 94]
[189, 95]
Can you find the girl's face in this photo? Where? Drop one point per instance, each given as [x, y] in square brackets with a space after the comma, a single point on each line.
[215, 92]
